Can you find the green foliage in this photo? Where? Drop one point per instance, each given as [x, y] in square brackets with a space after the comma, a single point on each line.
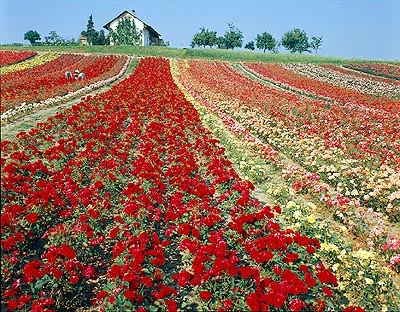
[91, 33]
[296, 40]
[210, 54]
[126, 33]
[221, 43]
[93, 36]
[250, 46]
[32, 36]
[53, 38]
[233, 37]
[316, 43]
[101, 40]
[265, 41]
[204, 38]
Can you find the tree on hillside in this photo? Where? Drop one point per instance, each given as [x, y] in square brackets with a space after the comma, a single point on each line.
[265, 41]
[204, 38]
[296, 40]
[126, 33]
[91, 33]
[233, 37]
[250, 45]
[101, 39]
[316, 43]
[53, 38]
[32, 36]
[221, 43]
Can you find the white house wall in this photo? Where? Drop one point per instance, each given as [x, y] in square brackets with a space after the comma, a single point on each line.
[146, 38]
[139, 26]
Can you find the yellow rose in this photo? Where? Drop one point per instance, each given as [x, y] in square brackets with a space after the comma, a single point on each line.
[311, 219]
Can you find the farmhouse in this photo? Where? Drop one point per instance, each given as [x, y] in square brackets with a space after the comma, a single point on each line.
[150, 36]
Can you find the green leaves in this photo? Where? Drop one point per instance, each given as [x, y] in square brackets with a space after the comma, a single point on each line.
[296, 40]
[126, 33]
[204, 38]
[265, 41]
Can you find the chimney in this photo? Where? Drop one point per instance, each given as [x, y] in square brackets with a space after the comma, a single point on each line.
[133, 11]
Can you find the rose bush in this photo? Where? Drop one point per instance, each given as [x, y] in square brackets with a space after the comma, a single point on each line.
[11, 57]
[126, 201]
[48, 80]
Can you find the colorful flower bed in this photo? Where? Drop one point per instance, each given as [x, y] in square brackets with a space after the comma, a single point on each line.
[332, 85]
[360, 74]
[252, 109]
[33, 62]
[12, 57]
[48, 80]
[26, 109]
[126, 201]
[249, 156]
[315, 133]
[379, 69]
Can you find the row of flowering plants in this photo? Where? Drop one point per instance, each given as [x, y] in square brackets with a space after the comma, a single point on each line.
[360, 74]
[48, 80]
[330, 84]
[125, 201]
[379, 69]
[347, 81]
[8, 57]
[224, 100]
[361, 277]
[363, 165]
[32, 62]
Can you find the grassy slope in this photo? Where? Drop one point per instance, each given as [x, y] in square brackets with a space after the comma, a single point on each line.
[214, 54]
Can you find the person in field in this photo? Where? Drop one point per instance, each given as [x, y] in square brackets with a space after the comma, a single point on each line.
[68, 75]
[81, 76]
[76, 74]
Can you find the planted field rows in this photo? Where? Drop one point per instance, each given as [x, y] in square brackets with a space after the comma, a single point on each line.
[12, 57]
[46, 84]
[190, 185]
[379, 69]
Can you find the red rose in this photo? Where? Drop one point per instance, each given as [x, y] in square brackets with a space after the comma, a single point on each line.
[327, 291]
[32, 218]
[205, 295]
[67, 251]
[297, 305]
[171, 305]
[353, 309]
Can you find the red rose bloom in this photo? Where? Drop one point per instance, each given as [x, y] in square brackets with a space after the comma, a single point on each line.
[205, 295]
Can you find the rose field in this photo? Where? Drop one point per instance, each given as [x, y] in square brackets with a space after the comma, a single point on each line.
[185, 184]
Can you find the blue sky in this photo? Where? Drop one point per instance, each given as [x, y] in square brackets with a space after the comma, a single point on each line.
[367, 29]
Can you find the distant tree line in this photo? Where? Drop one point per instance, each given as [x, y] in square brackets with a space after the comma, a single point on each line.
[295, 40]
[93, 36]
[125, 33]
[52, 39]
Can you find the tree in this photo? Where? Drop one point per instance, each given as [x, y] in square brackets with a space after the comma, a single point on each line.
[204, 38]
[91, 33]
[101, 40]
[53, 38]
[296, 40]
[126, 33]
[221, 43]
[250, 45]
[233, 37]
[265, 41]
[316, 43]
[32, 36]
